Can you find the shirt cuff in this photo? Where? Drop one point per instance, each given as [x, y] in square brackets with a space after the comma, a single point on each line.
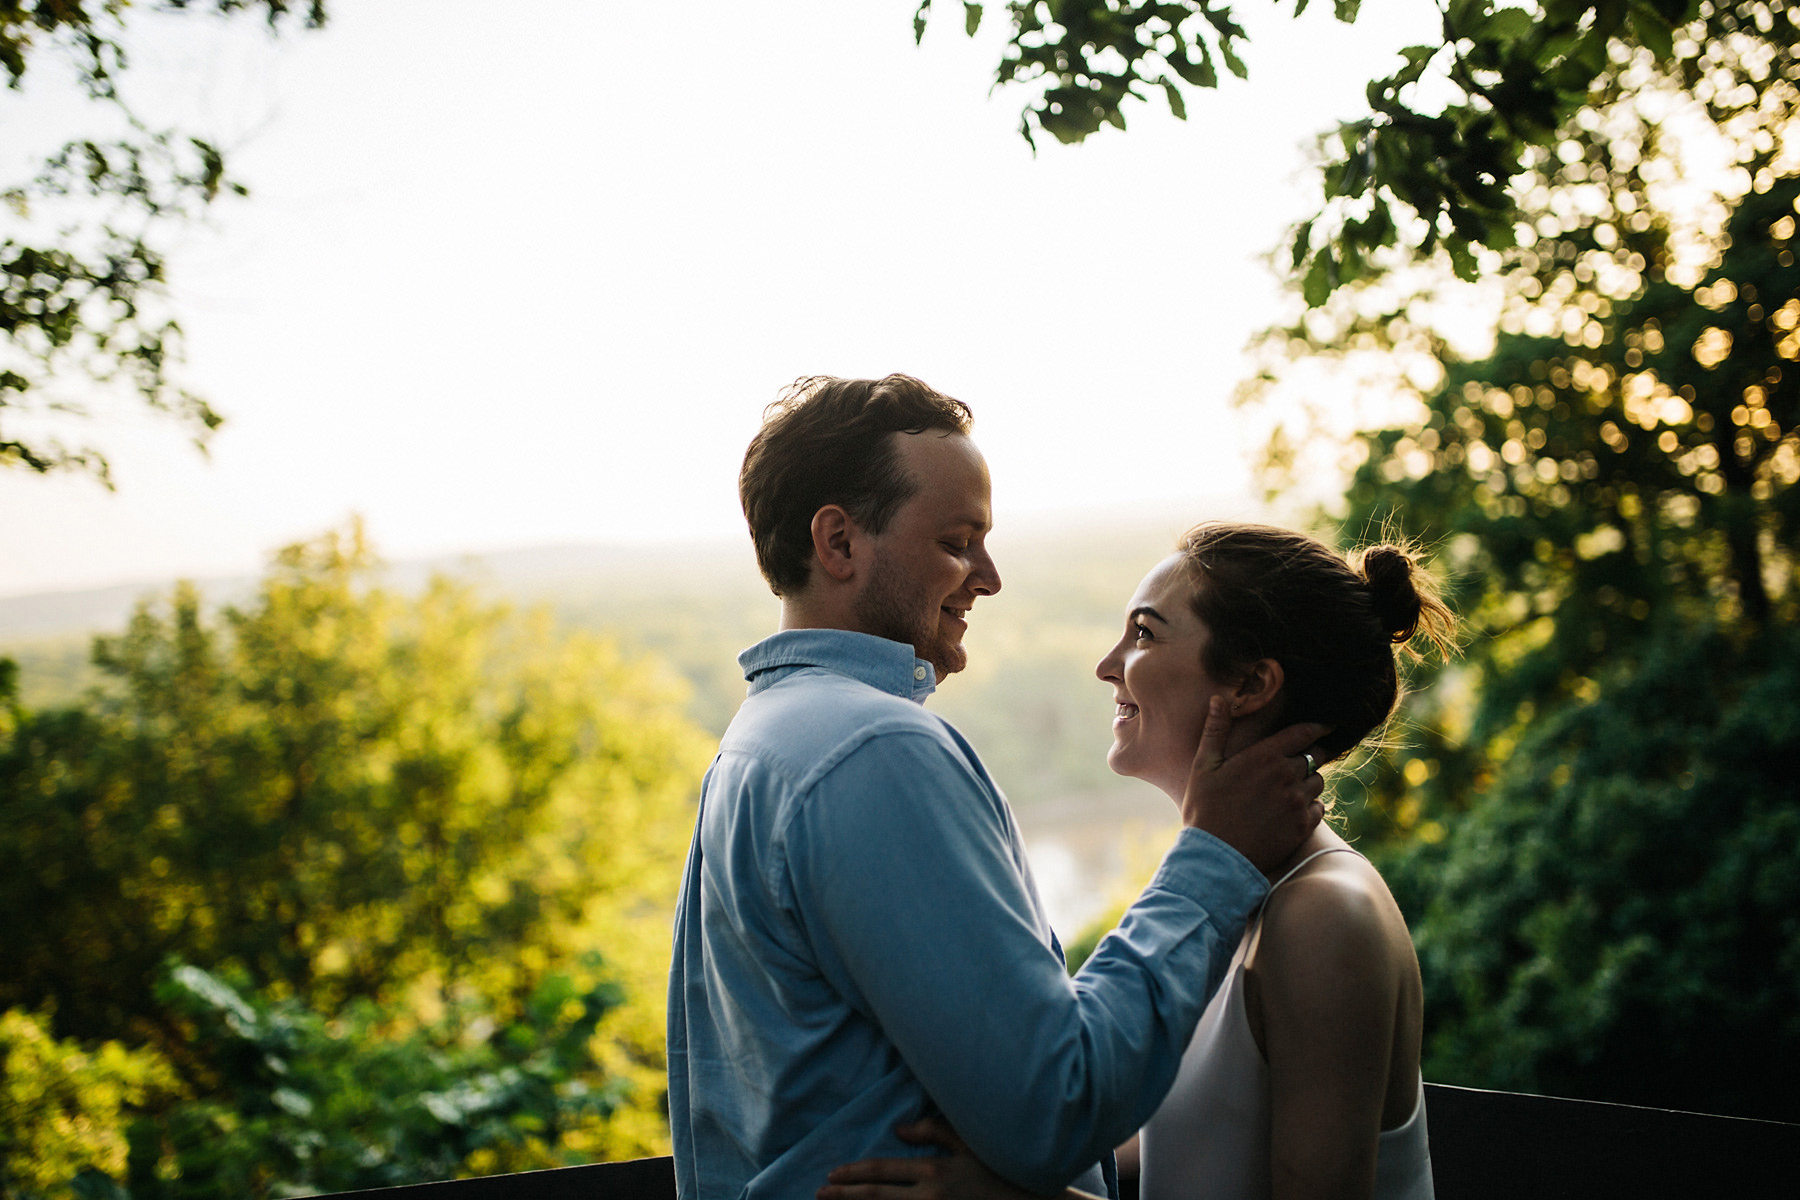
[1214, 875]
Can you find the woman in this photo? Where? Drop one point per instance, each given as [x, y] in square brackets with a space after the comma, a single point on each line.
[1302, 1079]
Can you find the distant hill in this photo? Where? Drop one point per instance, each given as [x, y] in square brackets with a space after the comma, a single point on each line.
[525, 572]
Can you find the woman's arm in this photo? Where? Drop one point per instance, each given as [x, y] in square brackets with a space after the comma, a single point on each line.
[1327, 987]
[954, 1175]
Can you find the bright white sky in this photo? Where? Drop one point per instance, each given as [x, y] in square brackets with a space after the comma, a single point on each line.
[517, 275]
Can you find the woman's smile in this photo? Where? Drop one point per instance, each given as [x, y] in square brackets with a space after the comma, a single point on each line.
[1160, 687]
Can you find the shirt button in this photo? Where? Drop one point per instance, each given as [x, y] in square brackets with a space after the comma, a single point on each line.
[918, 672]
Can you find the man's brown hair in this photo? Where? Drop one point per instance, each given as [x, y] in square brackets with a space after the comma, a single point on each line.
[825, 441]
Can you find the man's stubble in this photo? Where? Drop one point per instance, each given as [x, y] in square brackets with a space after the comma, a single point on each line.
[891, 606]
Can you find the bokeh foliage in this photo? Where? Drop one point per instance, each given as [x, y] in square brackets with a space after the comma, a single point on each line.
[1592, 824]
[1616, 915]
[65, 1107]
[400, 815]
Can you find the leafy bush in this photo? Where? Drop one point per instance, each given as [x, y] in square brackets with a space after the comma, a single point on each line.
[295, 1104]
[1618, 916]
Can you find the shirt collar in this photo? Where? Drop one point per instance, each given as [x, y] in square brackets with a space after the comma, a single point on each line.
[876, 661]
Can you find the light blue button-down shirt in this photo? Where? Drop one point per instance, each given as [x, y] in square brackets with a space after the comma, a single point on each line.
[858, 940]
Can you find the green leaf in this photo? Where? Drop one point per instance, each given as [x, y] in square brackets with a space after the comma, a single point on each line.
[1462, 259]
[1302, 243]
[971, 17]
[1321, 277]
[1353, 180]
[919, 19]
[1653, 31]
[1232, 61]
[1505, 26]
[1590, 53]
[1346, 10]
[1382, 231]
[1417, 59]
[1201, 73]
[1464, 16]
[1177, 105]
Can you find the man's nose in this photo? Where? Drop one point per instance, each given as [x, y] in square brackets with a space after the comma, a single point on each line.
[985, 580]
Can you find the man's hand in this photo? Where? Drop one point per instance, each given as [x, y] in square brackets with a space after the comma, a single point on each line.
[1262, 801]
[955, 1175]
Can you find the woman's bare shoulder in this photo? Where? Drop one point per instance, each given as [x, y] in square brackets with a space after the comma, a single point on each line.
[1337, 909]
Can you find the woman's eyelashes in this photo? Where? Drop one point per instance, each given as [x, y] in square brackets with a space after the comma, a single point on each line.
[1141, 632]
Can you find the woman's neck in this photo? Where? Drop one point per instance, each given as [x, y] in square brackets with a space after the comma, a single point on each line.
[1323, 837]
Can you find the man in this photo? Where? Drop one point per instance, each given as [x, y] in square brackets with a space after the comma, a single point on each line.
[858, 940]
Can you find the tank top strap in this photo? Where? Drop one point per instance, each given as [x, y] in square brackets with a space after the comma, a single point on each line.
[1256, 920]
[1296, 868]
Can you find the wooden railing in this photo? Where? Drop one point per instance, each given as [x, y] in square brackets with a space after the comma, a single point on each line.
[1484, 1146]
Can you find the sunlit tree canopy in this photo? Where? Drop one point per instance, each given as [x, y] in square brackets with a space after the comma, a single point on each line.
[410, 813]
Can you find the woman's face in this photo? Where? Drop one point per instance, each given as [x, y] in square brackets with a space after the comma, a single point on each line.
[1161, 688]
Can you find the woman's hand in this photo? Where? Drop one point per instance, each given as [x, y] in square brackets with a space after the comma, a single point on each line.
[954, 1175]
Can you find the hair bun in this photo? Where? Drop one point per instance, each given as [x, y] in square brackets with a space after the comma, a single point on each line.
[1393, 589]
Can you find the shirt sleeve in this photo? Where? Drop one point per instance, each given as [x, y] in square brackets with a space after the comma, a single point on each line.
[903, 882]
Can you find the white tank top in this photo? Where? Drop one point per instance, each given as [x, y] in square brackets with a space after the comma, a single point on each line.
[1210, 1138]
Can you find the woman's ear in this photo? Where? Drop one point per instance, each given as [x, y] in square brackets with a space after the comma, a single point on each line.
[1259, 688]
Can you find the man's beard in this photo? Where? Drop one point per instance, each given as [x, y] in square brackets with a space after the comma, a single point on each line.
[887, 609]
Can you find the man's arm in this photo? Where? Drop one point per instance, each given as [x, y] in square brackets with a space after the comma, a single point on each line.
[907, 889]
[905, 884]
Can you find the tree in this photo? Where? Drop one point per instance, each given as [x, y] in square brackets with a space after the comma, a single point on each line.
[349, 794]
[1591, 823]
[1401, 183]
[89, 300]
[1624, 459]
[1616, 912]
[1607, 910]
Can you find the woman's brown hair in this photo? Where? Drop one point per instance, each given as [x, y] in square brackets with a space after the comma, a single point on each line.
[1335, 624]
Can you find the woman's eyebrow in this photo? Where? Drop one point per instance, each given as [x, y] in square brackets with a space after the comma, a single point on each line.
[1144, 610]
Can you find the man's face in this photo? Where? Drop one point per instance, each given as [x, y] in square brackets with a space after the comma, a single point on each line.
[932, 561]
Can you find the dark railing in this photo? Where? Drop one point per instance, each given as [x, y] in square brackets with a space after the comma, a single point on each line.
[1484, 1146]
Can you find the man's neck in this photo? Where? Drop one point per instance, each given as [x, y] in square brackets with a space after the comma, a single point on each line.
[812, 612]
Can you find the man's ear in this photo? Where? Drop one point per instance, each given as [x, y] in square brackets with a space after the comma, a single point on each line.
[834, 534]
[1259, 687]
